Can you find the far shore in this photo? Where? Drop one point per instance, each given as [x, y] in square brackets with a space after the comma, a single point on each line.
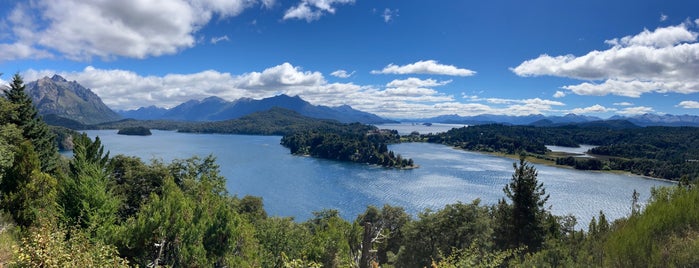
[541, 161]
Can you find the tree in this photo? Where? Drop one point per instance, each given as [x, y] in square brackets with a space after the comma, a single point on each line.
[33, 128]
[524, 219]
[27, 193]
[87, 198]
[438, 234]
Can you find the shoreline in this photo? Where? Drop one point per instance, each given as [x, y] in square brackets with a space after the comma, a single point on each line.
[536, 160]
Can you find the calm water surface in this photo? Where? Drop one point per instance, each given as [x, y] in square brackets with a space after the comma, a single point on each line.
[295, 186]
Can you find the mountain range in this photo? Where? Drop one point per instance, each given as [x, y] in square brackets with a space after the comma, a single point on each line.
[217, 109]
[642, 120]
[69, 103]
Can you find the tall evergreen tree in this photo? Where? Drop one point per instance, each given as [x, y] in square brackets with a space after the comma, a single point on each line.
[33, 127]
[523, 220]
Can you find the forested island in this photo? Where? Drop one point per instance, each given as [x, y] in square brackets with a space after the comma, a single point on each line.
[661, 152]
[97, 210]
[135, 131]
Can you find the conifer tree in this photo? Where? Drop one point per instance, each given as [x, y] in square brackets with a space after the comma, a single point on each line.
[523, 222]
[32, 126]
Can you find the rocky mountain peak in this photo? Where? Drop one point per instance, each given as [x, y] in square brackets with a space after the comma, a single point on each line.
[70, 100]
[58, 78]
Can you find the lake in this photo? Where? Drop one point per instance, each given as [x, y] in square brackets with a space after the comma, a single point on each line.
[295, 185]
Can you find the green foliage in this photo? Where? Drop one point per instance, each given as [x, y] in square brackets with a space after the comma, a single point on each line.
[48, 245]
[353, 142]
[191, 223]
[9, 237]
[252, 208]
[33, 128]
[329, 236]
[134, 182]
[387, 225]
[437, 234]
[280, 238]
[523, 220]
[27, 192]
[475, 256]
[661, 234]
[86, 194]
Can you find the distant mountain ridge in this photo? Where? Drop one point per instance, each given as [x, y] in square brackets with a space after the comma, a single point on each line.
[539, 120]
[57, 96]
[217, 109]
[508, 119]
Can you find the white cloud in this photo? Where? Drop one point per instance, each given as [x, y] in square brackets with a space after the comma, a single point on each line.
[559, 94]
[425, 67]
[689, 104]
[661, 37]
[663, 17]
[311, 10]
[416, 82]
[388, 15]
[535, 101]
[215, 40]
[342, 74]
[663, 61]
[636, 110]
[80, 30]
[623, 103]
[280, 77]
[22, 51]
[400, 98]
[593, 109]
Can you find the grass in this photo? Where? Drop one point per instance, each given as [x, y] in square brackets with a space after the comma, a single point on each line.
[8, 239]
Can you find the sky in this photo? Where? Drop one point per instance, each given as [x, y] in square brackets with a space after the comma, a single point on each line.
[395, 58]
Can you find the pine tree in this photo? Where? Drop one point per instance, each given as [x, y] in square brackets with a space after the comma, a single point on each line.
[524, 219]
[32, 126]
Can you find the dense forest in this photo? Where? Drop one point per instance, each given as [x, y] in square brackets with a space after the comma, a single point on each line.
[97, 210]
[662, 152]
[352, 142]
[135, 131]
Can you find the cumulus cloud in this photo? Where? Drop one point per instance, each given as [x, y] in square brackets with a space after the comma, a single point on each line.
[416, 82]
[636, 110]
[388, 15]
[559, 94]
[311, 10]
[342, 74]
[689, 104]
[518, 106]
[215, 40]
[664, 60]
[124, 89]
[425, 67]
[400, 98]
[80, 30]
[623, 103]
[593, 109]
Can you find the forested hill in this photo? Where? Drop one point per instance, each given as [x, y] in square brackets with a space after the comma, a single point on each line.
[276, 121]
[315, 137]
[662, 152]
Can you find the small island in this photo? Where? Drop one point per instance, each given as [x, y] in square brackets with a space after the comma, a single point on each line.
[135, 131]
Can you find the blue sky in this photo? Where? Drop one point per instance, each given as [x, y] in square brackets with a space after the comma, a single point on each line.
[395, 58]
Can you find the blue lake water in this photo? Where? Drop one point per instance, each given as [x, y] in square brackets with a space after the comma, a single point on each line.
[295, 185]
